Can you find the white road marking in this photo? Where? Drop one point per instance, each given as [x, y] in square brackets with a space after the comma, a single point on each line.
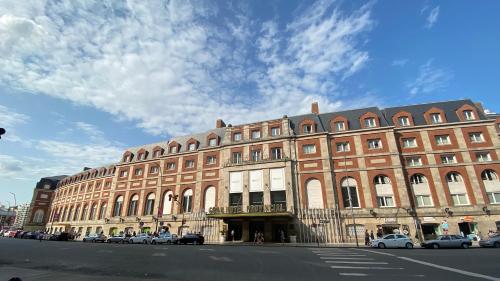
[203, 249]
[158, 255]
[352, 274]
[468, 273]
[364, 267]
[358, 262]
[342, 255]
[220, 258]
[343, 258]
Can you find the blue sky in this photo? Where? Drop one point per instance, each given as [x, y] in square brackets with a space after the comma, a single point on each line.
[81, 81]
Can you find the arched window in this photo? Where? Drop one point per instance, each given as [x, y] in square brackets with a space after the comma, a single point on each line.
[350, 188]
[458, 192]
[70, 213]
[85, 212]
[383, 188]
[38, 216]
[491, 185]
[187, 201]
[167, 202]
[209, 198]
[132, 206]
[421, 190]
[102, 211]
[150, 202]
[314, 194]
[93, 211]
[77, 212]
[117, 211]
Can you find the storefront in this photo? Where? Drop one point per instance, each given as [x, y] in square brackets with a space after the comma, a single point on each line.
[430, 228]
[467, 226]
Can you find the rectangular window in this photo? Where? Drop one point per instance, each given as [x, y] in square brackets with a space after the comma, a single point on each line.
[237, 157]
[469, 115]
[409, 142]
[374, 144]
[436, 118]
[189, 164]
[211, 160]
[171, 166]
[483, 156]
[212, 142]
[424, 201]
[404, 121]
[276, 153]
[192, 147]
[235, 199]
[385, 201]
[256, 134]
[154, 170]
[459, 199]
[138, 172]
[414, 161]
[309, 149]
[343, 147]
[448, 159]
[307, 129]
[237, 137]
[256, 155]
[476, 137]
[173, 149]
[156, 154]
[256, 198]
[443, 140]
[370, 122]
[275, 131]
[123, 174]
[339, 126]
[279, 198]
[494, 197]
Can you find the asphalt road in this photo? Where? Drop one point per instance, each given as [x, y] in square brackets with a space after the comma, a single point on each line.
[50, 260]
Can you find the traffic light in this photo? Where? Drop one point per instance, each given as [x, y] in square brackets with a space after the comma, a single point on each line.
[2, 131]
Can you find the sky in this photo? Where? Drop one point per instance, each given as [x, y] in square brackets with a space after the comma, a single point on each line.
[80, 81]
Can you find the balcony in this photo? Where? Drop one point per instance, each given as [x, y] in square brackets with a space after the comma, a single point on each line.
[250, 161]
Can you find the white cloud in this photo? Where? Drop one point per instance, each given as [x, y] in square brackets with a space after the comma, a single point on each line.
[171, 68]
[399, 62]
[429, 79]
[432, 17]
[9, 118]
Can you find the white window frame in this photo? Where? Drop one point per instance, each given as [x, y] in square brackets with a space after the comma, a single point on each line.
[123, 174]
[173, 149]
[457, 199]
[307, 128]
[476, 137]
[343, 146]
[211, 160]
[189, 164]
[237, 159]
[212, 142]
[370, 122]
[445, 159]
[138, 172]
[420, 199]
[309, 148]
[410, 142]
[171, 166]
[483, 156]
[274, 153]
[192, 147]
[443, 140]
[383, 201]
[339, 126]
[374, 144]
[437, 120]
[469, 115]
[414, 161]
[404, 121]
[237, 136]
[275, 131]
[255, 134]
[256, 155]
[154, 169]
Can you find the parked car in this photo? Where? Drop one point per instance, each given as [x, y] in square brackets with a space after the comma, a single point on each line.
[62, 236]
[30, 235]
[19, 234]
[11, 233]
[492, 241]
[192, 239]
[143, 238]
[167, 238]
[447, 241]
[393, 241]
[118, 239]
[95, 238]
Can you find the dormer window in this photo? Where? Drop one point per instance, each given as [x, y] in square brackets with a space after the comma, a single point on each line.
[404, 121]
[436, 118]
[275, 131]
[192, 147]
[237, 137]
[256, 134]
[340, 126]
[140, 156]
[469, 115]
[370, 122]
[212, 142]
[156, 154]
[307, 129]
[173, 149]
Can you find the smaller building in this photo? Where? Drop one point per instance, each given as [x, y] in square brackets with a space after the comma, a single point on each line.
[7, 217]
[22, 212]
[43, 194]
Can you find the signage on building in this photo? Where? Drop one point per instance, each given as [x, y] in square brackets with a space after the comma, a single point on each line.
[429, 219]
[273, 208]
[468, 219]
[390, 220]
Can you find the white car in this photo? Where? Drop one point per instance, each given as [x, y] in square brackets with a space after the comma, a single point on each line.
[141, 238]
[165, 238]
[393, 241]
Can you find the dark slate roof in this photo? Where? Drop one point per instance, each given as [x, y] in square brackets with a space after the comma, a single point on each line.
[352, 117]
[417, 111]
[296, 120]
[52, 181]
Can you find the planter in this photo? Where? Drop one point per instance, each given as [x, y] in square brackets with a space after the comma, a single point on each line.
[222, 239]
[293, 239]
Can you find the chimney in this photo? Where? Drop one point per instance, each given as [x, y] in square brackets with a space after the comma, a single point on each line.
[86, 169]
[315, 108]
[480, 107]
[220, 124]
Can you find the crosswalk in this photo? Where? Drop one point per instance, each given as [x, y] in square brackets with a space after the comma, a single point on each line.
[351, 263]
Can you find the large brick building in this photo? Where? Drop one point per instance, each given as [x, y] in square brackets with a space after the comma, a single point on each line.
[412, 169]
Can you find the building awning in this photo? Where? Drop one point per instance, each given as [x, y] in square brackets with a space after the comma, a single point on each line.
[250, 215]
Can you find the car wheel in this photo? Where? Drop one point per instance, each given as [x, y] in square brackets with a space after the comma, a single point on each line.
[409, 246]
[153, 242]
[144, 242]
[465, 245]
[381, 245]
[435, 246]
[169, 242]
[84, 240]
[496, 245]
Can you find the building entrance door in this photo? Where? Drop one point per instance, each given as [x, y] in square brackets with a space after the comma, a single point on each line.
[234, 230]
[279, 232]
[253, 228]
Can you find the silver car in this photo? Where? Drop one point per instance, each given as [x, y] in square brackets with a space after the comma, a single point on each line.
[95, 238]
[447, 241]
[141, 238]
[492, 241]
[393, 241]
[165, 238]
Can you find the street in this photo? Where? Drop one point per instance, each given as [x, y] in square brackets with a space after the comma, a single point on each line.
[51, 260]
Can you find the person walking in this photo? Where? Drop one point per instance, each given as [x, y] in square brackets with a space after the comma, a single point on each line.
[372, 237]
[282, 236]
[379, 233]
[367, 238]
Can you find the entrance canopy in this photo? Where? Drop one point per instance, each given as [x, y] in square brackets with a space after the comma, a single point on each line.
[249, 215]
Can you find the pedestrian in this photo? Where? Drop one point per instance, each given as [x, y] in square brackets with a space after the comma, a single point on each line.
[282, 236]
[255, 237]
[261, 238]
[367, 238]
[379, 233]
[232, 234]
[372, 237]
